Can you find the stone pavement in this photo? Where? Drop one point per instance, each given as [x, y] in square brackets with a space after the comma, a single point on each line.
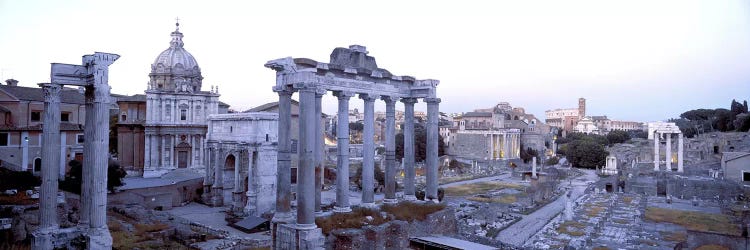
[212, 217]
[518, 233]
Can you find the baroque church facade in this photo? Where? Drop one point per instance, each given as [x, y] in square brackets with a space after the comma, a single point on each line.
[177, 112]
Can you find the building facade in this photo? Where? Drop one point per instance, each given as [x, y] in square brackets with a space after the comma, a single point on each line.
[21, 118]
[176, 112]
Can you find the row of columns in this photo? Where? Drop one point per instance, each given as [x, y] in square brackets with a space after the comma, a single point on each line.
[311, 147]
[502, 146]
[668, 149]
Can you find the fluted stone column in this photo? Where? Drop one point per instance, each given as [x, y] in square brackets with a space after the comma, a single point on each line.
[656, 151]
[506, 146]
[318, 153]
[432, 148]
[533, 167]
[50, 167]
[87, 176]
[342, 164]
[409, 192]
[283, 159]
[306, 167]
[390, 149]
[668, 152]
[368, 150]
[99, 169]
[679, 153]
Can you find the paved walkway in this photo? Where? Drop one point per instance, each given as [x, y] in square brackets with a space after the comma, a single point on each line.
[213, 217]
[518, 233]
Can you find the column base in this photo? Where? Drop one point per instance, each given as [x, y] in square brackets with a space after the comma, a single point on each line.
[319, 213]
[436, 201]
[298, 236]
[390, 201]
[368, 205]
[342, 209]
[98, 238]
[410, 197]
[42, 239]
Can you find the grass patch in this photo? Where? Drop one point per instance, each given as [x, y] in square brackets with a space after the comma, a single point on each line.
[697, 221]
[601, 248]
[572, 228]
[593, 211]
[452, 179]
[355, 219]
[674, 236]
[712, 247]
[408, 211]
[479, 188]
[505, 199]
[620, 221]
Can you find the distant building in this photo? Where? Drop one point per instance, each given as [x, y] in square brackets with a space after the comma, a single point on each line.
[21, 117]
[587, 126]
[566, 119]
[736, 166]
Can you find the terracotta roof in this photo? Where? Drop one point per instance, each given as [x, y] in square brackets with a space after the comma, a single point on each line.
[36, 94]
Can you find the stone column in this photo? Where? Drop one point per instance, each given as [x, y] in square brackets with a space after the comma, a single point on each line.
[409, 192]
[252, 193]
[218, 187]
[533, 167]
[390, 149]
[506, 146]
[283, 159]
[656, 151]
[318, 153]
[146, 152]
[432, 149]
[668, 152]
[368, 150]
[679, 153]
[50, 166]
[86, 176]
[100, 160]
[342, 164]
[306, 167]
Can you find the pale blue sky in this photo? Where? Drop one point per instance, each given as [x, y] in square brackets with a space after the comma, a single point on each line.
[632, 60]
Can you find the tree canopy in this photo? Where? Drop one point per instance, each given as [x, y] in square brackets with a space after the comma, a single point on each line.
[695, 121]
[74, 177]
[420, 144]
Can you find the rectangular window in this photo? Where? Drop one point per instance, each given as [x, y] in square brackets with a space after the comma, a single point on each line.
[65, 117]
[36, 116]
[79, 138]
[745, 176]
[183, 115]
[4, 137]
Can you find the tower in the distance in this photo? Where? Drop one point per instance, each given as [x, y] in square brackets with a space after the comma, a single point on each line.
[581, 107]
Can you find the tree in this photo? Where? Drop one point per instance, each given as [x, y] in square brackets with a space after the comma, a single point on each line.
[420, 144]
[527, 154]
[617, 136]
[74, 177]
[586, 154]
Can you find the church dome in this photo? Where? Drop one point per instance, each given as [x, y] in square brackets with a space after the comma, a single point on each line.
[175, 68]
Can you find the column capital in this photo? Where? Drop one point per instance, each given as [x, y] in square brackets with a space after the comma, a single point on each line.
[320, 92]
[369, 97]
[343, 95]
[389, 99]
[432, 100]
[283, 90]
[409, 100]
[51, 92]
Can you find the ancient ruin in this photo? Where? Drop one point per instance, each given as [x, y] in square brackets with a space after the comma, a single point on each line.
[93, 76]
[351, 71]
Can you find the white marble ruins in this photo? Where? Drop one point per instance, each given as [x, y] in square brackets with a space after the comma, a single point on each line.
[657, 130]
[93, 76]
[241, 171]
[350, 72]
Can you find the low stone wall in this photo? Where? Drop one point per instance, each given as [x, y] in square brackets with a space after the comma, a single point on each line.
[394, 234]
[696, 239]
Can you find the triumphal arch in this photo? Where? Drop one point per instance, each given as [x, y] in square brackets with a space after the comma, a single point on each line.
[350, 72]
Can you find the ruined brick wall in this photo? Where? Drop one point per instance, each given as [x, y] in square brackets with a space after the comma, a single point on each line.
[697, 239]
[474, 146]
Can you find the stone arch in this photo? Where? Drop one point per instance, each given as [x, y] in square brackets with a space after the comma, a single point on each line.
[37, 164]
[229, 161]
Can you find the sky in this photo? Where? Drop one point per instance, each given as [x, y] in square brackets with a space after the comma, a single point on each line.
[631, 60]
